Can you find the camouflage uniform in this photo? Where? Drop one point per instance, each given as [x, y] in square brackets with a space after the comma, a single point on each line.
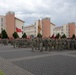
[56, 47]
[75, 44]
[32, 44]
[72, 44]
[41, 45]
[49, 45]
[65, 44]
[68, 44]
[46, 44]
[53, 43]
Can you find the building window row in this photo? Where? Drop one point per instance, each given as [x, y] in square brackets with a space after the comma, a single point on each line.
[1, 24]
[22, 27]
[1, 19]
[1, 29]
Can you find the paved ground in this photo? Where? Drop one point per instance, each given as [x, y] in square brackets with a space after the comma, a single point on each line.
[21, 61]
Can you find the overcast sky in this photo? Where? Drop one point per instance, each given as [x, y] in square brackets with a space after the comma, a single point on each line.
[60, 11]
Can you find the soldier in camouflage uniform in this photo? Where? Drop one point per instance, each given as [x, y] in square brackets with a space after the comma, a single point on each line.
[60, 44]
[72, 44]
[36, 43]
[56, 47]
[75, 44]
[32, 44]
[41, 44]
[49, 44]
[65, 44]
[46, 44]
[68, 44]
[54, 44]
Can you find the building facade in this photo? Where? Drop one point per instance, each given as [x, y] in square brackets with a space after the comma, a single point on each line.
[30, 30]
[44, 27]
[67, 29]
[2, 23]
[9, 23]
[57, 30]
[19, 24]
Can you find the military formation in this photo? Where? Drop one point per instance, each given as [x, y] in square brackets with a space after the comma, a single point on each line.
[42, 44]
[4, 42]
[47, 44]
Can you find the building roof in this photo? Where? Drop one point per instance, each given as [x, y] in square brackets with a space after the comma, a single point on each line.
[59, 27]
[19, 19]
[46, 18]
[29, 26]
[2, 16]
[52, 23]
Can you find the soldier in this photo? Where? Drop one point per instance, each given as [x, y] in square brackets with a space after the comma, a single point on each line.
[36, 43]
[68, 44]
[56, 47]
[60, 44]
[49, 44]
[53, 44]
[75, 44]
[72, 44]
[46, 44]
[32, 44]
[14, 43]
[25, 42]
[41, 44]
[65, 44]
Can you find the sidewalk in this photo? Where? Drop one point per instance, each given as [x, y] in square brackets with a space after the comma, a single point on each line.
[11, 69]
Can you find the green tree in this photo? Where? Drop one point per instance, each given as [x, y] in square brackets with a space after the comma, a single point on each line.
[24, 35]
[4, 34]
[57, 36]
[63, 36]
[0, 35]
[73, 36]
[39, 35]
[15, 35]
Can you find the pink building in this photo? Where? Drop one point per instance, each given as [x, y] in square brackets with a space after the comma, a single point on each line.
[45, 27]
[72, 29]
[11, 23]
[67, 29]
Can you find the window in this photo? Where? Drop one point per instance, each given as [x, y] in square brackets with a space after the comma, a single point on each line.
[1, 19]
[1, 24]
[61, 29]
[34, 27]
[22, 27]
[22, 32]
[1, 29]
[61, 32]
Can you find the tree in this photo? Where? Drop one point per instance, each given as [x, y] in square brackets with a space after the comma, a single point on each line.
[57, 36]
[4, 34]
[0, 35]
[39, 35]
[73, 36]
[24, 35]
[15, 35]
[63, 36]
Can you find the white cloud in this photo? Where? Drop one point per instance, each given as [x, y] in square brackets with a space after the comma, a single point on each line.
[60, 11]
